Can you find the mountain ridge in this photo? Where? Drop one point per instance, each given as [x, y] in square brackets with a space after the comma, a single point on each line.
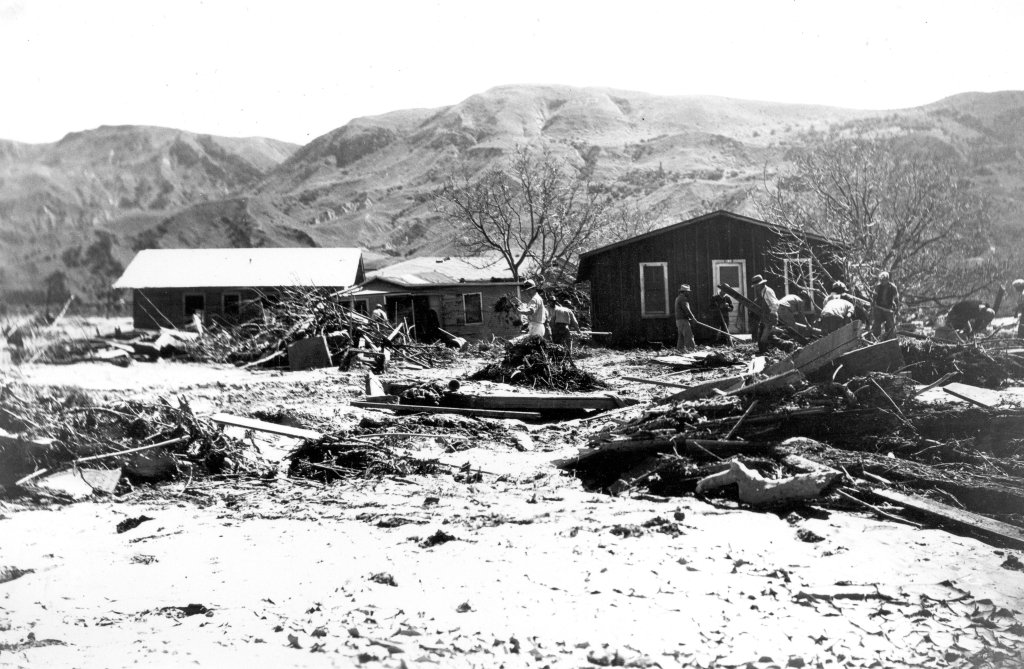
[370, 182]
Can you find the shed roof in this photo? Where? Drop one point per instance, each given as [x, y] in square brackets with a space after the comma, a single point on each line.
[446, 271]
[693, 221]
[224, 268]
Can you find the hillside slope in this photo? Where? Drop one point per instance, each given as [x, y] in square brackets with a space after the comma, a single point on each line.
[370, 182]
[61, 196]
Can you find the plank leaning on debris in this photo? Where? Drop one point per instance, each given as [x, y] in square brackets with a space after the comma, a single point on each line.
[263, 426]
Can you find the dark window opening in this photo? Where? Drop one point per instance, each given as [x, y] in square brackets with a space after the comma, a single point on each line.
[194, 303]
[232, 305]
[473, 304]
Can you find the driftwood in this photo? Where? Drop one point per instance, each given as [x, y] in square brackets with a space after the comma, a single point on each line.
[757, 490]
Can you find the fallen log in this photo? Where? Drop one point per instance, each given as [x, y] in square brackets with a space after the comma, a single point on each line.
[479, 413]
[537, 402]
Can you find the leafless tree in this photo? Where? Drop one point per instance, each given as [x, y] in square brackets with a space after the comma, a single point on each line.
[892, 203]
[536, 212]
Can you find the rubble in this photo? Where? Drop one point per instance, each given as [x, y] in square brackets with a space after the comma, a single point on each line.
[537, 363]
[47, 430]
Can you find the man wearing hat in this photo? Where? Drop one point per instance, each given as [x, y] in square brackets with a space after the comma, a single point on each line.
[684, 320]
[884, 303]
[534, 310]
[766, 300]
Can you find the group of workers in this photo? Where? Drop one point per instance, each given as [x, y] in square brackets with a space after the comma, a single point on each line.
[560, 320]
[839, 308]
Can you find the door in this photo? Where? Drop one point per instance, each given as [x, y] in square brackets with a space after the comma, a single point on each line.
[732, 273]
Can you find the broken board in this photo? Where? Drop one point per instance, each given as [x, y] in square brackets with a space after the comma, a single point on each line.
[881, 357]
[479, 413]
[538, 401]
[309, 353]
[263, 426]
[821, 352]
[987, 529]
[706, 389]
[982, 397]
[81, 483]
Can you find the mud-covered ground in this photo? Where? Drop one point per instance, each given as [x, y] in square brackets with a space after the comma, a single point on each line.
[515, 566]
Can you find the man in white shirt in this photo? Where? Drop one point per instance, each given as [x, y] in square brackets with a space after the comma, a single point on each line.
[534, 310]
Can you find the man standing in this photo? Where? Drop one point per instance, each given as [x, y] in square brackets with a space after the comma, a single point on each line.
[562, 320]
[884, 304]
[721, 305]
[534, 310]
[380, 315]
[684, 320]
[765, 299]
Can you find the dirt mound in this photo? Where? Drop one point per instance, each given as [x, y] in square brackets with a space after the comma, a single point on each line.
[537, 363]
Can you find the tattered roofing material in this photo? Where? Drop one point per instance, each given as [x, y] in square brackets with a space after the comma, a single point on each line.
[257, 268]
[446, 271]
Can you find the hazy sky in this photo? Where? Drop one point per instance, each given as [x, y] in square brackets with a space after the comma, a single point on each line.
[294, 70]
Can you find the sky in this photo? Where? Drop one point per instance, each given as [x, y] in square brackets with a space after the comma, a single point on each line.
[295, 70]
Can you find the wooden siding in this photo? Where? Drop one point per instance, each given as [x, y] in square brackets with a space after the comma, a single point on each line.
[152, 308]
[614, 274]
[447, 302]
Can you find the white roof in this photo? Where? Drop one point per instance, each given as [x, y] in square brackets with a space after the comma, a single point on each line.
[230, 268]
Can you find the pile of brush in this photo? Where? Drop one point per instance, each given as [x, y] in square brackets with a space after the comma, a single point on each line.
[537, 363]
[342, 457]
[928, 360]
[57, 427]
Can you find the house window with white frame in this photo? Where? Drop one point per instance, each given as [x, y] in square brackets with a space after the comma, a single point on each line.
[472, 304]
[654, 302]
[799, 275]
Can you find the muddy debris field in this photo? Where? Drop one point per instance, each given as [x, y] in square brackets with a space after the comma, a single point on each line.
[210, 499]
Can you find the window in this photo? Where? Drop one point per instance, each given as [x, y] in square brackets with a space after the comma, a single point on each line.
[474, 307]
[654, 289]
[194, 302]
[232, 304]
[361, 307]
[799, 274]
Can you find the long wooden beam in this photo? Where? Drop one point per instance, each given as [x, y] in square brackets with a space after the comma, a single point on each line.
[480, 413]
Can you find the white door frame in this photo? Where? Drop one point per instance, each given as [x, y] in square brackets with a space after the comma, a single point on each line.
[738, 316]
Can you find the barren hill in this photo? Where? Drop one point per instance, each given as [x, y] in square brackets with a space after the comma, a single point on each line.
[370, 182]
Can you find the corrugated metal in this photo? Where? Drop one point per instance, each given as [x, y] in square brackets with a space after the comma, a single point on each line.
[222, 268]
[446, 271]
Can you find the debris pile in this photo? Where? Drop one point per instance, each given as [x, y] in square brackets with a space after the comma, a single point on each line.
[537, 363]
[929, 360]
[338, 457]
[45, 430]
[799, 434]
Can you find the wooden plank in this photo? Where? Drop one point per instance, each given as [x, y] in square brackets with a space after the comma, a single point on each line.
[986, 529]
[819, 353]
[263, 426]
[480, 413]
[982, 397]
[706, 389]
[373, 385]
[537, 401]
[655, 382]
[771, 383]
[881, 357]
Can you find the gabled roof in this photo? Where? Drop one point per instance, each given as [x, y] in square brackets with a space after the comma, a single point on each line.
[230, 268]
[446, 271]
[693, 221]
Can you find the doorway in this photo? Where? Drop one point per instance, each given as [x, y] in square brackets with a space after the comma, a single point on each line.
[732, 273]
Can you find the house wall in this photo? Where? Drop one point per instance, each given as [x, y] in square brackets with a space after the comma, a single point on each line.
[152, 308]
[614, 275]
[448, 302]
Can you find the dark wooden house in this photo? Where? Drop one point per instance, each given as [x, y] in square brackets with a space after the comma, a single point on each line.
[228, 285]
[633, 283]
